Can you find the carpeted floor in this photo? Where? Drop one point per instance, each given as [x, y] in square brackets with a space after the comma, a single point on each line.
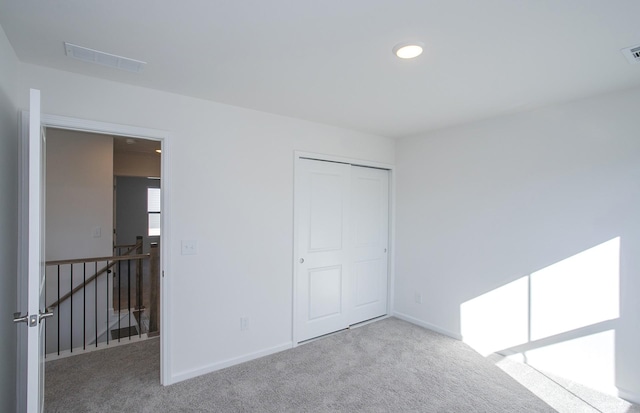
[386, 366]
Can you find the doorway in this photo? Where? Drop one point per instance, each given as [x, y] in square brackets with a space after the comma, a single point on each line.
[161, 137]
[104, 291]
[342, 244]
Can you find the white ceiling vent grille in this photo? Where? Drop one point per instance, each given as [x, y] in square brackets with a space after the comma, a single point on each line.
[106, 59]
[632, 54]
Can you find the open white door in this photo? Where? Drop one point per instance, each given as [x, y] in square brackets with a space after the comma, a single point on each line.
[32, 238]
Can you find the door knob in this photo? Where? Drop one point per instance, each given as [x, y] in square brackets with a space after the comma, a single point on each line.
[301, 260]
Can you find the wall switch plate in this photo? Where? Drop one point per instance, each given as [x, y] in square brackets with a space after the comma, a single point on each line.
[418, 298]
[244, 323]
[189, 247]
[96, 232]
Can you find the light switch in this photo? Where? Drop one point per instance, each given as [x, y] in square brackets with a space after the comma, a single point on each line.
[189, 247]
[97, 232]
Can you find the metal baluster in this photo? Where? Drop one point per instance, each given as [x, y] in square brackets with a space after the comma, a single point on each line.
[95, 303]
[119, 295]
[58, 310]
[107, 301]
[139, 249]
[84, 306]
[140, 307]
[71, 309]
[129, 293]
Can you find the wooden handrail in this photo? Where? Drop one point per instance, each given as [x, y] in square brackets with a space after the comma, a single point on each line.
[100, 259]
[124, 246]
[132, 248]
[106, 268]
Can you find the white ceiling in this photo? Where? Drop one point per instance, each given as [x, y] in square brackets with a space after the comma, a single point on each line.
[330, 61]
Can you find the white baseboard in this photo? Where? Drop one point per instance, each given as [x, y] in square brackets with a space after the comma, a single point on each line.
[230, 362]
[428, 326]
[629, 395]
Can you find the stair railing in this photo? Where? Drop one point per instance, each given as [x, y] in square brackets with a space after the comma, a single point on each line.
[91, 292]
[107, 268]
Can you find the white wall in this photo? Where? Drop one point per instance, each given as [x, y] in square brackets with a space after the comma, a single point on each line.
[485, 204]
[79, 200]
[79, 194]
[231, 186]
[8, 221]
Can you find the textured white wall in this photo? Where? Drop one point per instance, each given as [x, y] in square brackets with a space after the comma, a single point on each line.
[232, 191]
[484, 204]
[8, 221]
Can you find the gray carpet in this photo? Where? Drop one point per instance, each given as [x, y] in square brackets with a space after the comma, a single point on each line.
[386, 366]
[562, 394]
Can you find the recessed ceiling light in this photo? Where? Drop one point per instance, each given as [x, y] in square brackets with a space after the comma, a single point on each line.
[408, 50]
[130, 141]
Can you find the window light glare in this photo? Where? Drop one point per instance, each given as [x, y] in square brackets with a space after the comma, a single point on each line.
[408, 50]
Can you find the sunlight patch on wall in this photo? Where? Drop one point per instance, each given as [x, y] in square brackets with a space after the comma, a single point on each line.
[579, 291]
[497, 319]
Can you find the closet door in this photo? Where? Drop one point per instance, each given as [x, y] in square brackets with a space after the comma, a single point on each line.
[369, 230]
[322, 208]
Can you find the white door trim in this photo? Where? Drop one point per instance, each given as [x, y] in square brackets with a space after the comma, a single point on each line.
[392, 203]
[62, 122]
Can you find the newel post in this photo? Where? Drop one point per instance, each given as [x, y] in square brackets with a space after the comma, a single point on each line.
[139, 247]
[154, 314]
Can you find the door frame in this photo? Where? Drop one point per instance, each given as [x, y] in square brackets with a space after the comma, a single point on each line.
[298, 155]
[164, 137]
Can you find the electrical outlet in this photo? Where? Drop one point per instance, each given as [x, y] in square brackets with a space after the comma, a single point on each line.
[189, 247]
[244, 323]
[418, 298]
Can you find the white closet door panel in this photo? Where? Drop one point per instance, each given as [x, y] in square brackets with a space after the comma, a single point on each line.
[325, 292]
[322, 206]
[367, 277]
[369, 220]
[326, 213]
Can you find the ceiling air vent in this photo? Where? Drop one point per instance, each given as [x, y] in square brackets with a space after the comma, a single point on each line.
[106, 59]
[632, 54]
